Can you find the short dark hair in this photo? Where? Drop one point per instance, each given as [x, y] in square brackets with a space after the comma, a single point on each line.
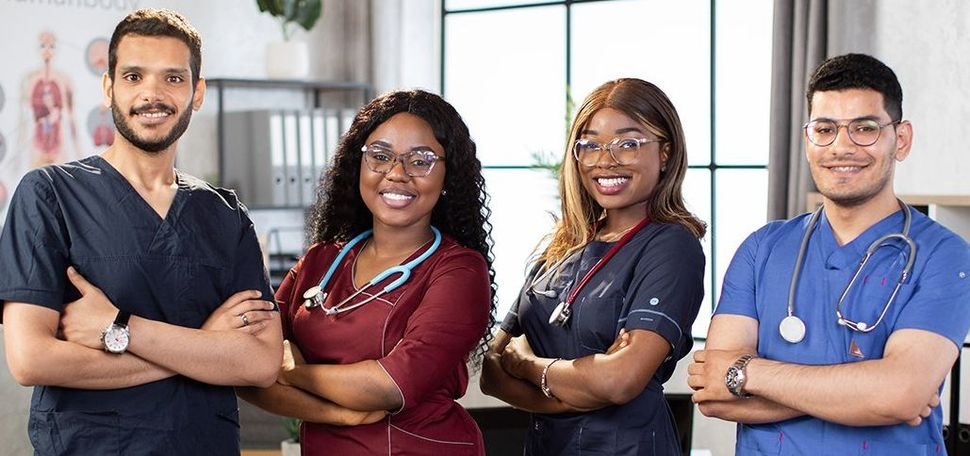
[858, 71]
[157, 22]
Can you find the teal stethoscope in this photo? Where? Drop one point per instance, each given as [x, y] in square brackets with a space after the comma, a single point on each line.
[792, 328]
[315, 296]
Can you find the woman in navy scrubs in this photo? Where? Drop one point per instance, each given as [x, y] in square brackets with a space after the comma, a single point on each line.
[373, 371]
[606, 312]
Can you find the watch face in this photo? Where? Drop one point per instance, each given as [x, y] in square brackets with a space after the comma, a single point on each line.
[116, 339]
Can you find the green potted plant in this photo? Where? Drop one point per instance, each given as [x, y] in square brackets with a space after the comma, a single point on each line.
[289, 59]
[291, 446]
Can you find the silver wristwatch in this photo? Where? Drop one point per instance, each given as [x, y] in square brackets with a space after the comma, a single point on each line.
[116, 336]
[736, 376]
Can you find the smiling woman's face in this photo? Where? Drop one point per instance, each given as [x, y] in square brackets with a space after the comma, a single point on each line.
[396, 199]
[615, 187]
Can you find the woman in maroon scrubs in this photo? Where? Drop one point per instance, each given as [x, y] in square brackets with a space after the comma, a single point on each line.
[373, 371]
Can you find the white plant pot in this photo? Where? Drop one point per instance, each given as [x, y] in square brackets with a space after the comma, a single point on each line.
[287, 60]
[290, 448]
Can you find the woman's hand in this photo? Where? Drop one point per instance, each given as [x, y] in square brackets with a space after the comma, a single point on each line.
[243, 311]
[348, 417]
[518, 357]
[292, 357]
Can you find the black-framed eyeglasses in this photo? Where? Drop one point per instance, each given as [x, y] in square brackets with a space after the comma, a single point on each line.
[862, 132]
[622, 150]
[416, 163]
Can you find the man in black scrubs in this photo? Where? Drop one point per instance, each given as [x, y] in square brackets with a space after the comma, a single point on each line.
[134, 296]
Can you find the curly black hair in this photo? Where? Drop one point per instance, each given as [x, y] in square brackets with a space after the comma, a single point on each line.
[339, 212]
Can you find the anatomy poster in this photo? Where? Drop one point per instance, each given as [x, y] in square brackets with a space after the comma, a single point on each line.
[51, 106]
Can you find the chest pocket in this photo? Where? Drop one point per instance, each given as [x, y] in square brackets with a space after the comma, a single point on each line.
[203, 289]
[872, 344]
[595, 317]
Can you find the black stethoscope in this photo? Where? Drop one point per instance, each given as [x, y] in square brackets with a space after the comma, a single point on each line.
[315, 296]
[560, 315]
[792, 328]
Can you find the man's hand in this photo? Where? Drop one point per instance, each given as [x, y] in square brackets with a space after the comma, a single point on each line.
[706, 374]
[517, 357]
[84, 320]
[927, 410]
[292, 357]
[243, 311]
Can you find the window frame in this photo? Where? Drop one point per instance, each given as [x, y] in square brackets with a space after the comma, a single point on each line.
[713, 165]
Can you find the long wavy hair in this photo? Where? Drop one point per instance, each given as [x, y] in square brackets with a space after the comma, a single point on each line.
[462, 212]
[646, 103]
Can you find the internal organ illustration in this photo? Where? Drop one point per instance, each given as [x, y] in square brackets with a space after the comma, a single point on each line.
[47, 101]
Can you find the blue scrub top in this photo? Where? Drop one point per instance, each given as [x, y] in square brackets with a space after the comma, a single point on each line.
[176, 270]
[655, 283]
[934, 298]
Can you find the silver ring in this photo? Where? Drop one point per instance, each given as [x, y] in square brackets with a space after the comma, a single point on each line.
[245, 319]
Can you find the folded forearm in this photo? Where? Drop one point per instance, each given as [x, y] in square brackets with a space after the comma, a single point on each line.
[289, 401]
[66, 364]
[216, 357]
[850, 394]
[755, 410]
[517, 393]
[359, 386]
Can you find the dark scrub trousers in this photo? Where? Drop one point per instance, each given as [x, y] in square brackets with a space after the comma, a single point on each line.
[176, 270]
[653, 283]
[935, 298]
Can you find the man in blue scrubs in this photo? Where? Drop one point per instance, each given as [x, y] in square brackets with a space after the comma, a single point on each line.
[865, 385]
[134, 296]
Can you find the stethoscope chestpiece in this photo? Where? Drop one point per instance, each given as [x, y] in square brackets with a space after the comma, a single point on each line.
[314, 297]
[792, 329]
[560, 315]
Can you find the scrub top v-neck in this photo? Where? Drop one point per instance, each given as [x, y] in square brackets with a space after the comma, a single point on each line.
[176, 269]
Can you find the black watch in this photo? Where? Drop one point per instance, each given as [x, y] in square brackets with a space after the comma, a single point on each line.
[116, 336]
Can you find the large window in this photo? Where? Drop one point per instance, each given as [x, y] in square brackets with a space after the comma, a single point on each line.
[515, 68]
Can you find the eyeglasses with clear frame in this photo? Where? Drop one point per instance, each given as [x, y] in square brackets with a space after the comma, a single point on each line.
[416, 163]
[862, 132]
[623, 151]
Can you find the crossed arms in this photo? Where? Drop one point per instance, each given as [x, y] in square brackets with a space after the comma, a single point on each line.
[513, 373]
[44, 347]
[901, 387]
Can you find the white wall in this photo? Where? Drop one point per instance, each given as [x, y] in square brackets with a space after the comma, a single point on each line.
[927, 44]
[407, 44]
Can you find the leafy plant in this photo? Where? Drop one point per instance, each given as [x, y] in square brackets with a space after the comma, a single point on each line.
[551, 161]
[292, 426]
[304, 13]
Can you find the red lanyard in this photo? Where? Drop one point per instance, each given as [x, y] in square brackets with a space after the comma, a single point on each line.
[602, 261]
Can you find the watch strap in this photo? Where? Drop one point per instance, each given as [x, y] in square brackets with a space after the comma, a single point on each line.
[122, 318]
[737, 376]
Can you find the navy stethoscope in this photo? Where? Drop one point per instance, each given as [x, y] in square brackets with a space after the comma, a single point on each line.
[315, 296]
[792, 328]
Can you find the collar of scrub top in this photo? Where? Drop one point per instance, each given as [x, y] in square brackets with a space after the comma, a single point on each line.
[315, 296]
[560, 315]
[792, 328]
